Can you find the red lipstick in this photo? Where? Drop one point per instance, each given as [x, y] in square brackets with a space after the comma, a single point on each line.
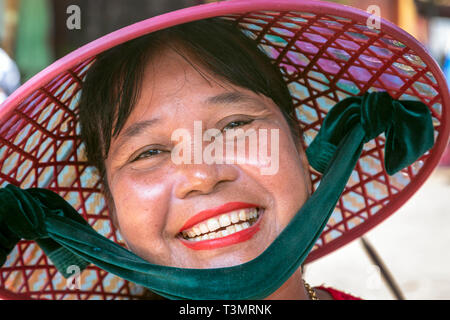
[209, 213]
[234, 238]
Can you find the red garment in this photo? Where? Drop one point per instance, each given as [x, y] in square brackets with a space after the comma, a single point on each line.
[338, 295]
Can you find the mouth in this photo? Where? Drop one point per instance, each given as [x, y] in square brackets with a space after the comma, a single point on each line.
[222, 229]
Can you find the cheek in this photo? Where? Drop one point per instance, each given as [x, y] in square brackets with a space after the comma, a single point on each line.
[284, 177]
[291, 186]
[140, 205]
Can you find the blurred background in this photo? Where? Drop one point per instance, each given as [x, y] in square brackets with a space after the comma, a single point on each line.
[405, 257]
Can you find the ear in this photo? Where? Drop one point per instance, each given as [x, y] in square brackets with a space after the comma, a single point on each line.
[109, 203]
[112, 211]
[305, 164]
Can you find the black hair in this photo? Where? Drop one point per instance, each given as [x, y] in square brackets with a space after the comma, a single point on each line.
[113, 82]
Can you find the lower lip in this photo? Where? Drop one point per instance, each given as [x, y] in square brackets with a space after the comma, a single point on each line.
[234, 238]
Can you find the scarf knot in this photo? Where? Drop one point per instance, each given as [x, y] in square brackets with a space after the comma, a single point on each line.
[407, 126]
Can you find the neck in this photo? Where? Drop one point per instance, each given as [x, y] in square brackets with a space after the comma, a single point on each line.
[292, 289]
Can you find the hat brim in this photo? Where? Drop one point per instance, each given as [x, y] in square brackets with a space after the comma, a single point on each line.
[325, 51]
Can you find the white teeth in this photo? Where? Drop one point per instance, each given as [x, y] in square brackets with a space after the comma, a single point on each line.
[222, 233]
[197, 231]
[224, 220]
[205, 230]
[213, 224]
[242, 215]
[191, 233]
[234, 217]
[231, 229]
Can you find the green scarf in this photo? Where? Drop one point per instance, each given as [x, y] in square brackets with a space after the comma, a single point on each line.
[67, 239]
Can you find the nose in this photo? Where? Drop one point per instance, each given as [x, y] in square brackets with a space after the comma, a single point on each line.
[198, 179]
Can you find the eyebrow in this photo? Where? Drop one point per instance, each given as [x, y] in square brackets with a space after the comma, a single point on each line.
[231, 98]
[138, 127]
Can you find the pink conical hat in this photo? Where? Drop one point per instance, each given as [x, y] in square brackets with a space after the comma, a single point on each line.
[325, 51]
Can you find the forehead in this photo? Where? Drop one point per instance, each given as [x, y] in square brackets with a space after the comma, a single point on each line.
[174, 80]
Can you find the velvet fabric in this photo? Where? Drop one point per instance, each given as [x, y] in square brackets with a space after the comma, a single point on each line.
[41, 215]
[407, 127]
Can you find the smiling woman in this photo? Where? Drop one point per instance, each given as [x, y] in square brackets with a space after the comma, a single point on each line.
[170, 112]
[203, 72]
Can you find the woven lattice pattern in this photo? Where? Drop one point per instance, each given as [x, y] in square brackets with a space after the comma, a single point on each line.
[324, 59]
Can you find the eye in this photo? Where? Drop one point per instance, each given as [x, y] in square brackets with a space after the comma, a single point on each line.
[150, 153]
[237, 123]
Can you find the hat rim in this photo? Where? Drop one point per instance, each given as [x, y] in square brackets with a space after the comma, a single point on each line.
[199, 12]
[211, 10]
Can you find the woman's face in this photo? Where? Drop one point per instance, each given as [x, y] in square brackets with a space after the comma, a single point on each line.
[165, 210]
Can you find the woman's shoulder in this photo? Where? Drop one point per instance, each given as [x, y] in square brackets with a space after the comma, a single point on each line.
[334, 294]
